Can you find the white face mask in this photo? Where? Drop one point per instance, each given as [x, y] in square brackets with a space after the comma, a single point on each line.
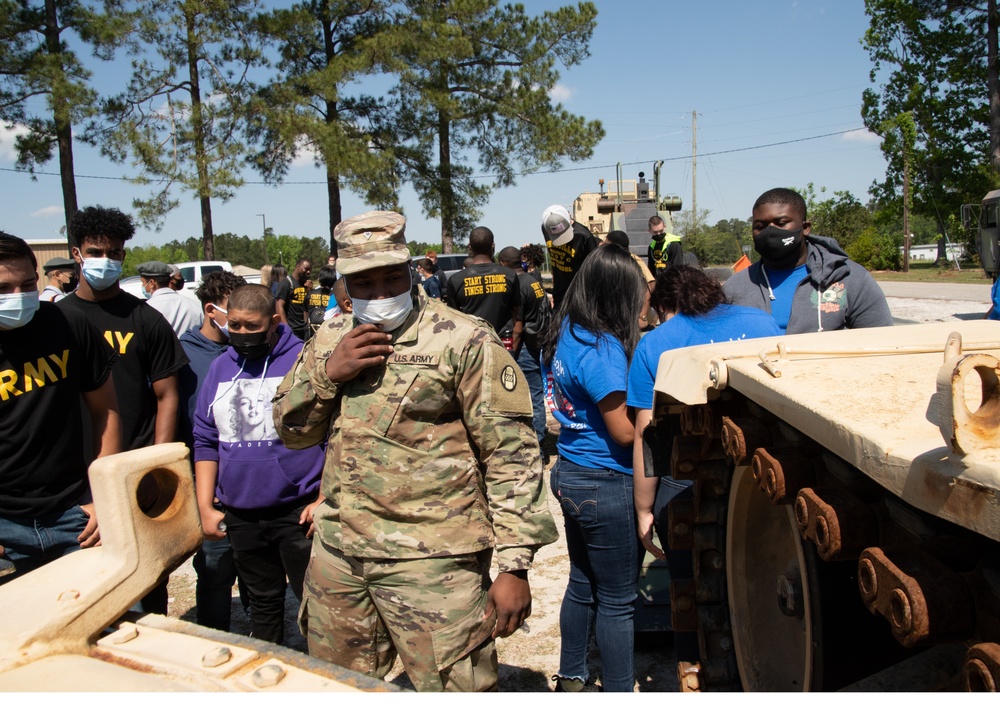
[224, 328]
[387, 314]
[17, 309]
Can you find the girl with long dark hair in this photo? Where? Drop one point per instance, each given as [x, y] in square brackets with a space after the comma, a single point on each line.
[585, 361]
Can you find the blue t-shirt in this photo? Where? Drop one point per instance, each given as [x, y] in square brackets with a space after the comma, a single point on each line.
[584, 371]
[995, 296]
[725, 323]
[783, 284]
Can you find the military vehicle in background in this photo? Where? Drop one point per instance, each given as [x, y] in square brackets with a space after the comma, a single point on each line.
[984, 218]
[626, 205]
[845, 525]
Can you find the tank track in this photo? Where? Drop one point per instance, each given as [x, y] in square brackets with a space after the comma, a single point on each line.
[908, 601]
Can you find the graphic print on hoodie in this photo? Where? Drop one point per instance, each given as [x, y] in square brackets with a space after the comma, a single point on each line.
[234, 425]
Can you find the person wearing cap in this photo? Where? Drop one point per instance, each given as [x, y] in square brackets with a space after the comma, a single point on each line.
[63, 279]
[432, 470]
[149, 353]
[569, 244]
[176, 279]
[181, 312]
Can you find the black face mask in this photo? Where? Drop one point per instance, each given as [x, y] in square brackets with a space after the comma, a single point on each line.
[70, 285]
[250, 345]
[779, 247]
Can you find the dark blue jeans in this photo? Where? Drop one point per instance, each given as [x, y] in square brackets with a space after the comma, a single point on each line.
[528, 361]
[604, 571]
[32, 542]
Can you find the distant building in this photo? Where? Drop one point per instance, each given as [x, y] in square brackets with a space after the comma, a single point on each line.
[954, 251]
[46, 249]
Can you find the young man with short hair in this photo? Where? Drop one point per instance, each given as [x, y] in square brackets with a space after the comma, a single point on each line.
[488, 290]
[291, 298]
[149, 354]
[428, 279]
[665, 248]
[806, 282]
[244, 476]
[48, 361]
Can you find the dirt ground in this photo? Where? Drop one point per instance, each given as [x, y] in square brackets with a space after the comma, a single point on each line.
[529, 659]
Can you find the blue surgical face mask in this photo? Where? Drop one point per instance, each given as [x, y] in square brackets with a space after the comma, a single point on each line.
[101, 273]
[17, 309]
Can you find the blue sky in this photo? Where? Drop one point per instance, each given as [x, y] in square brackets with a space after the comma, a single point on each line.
[757, 73]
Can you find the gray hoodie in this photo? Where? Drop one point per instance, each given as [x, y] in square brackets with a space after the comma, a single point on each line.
[837, 292]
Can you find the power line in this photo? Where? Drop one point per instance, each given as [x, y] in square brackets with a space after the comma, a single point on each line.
[575, 169]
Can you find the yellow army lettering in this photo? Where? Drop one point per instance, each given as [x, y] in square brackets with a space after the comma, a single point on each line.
[34, 376]
[123, 340]
[472, 286]
[539, 290]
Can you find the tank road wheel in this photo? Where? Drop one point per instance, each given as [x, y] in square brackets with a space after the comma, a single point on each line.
[774, 597]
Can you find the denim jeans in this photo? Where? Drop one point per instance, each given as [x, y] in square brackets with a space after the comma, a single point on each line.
[32, 542]
[528, 361]
[604, 553]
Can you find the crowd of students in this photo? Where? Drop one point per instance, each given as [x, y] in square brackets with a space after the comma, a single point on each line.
[591, 354]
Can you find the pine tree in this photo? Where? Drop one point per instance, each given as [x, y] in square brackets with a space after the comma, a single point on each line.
[474, 89]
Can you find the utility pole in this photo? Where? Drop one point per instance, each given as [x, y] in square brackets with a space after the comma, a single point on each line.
[263, 235]
[694, 169]
[906, 211]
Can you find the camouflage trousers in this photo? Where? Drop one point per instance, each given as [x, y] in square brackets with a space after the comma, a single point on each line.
[360, 613]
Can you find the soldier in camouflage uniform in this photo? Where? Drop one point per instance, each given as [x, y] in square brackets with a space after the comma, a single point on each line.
[432, 466]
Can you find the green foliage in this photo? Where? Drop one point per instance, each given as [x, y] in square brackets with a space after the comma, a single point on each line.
[474, 88]
[875, 251]
[325, 47]
[842, 216]
[931, 104]
[183, 112]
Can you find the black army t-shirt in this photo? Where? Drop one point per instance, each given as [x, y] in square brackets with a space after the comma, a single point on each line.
[534, 308]
[44, 367]
[486, 290]
[147, 350]
[294, 295]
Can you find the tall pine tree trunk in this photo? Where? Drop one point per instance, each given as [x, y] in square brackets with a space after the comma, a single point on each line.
[993, 81]
[447, 190]
[61, 117]
[201, 160]
[332, 175]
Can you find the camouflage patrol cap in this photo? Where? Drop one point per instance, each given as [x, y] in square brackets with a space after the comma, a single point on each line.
[371, 240]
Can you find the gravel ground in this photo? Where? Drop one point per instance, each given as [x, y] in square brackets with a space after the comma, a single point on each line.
[528, 659]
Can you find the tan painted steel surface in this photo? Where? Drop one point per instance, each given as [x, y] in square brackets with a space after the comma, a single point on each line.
[53, 633]
[871, 397]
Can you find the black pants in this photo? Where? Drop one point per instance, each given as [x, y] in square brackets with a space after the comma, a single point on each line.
[269, 546]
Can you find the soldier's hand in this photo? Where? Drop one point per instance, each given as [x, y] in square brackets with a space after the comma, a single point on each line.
[307, 515]
[90, 536]
[364, 346]
[510, 598]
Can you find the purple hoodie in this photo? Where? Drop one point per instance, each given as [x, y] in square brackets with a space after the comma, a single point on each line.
[233, 424]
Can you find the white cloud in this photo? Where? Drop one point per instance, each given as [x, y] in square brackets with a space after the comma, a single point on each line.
[560, 93]
[305, 155]
[47, 211]
[861, 135]
[8, 135]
